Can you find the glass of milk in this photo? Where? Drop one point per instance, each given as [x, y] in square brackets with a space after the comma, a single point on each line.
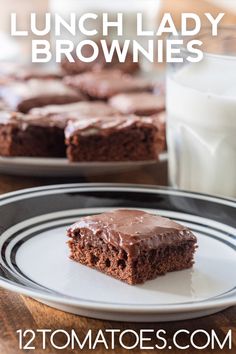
[201, 124]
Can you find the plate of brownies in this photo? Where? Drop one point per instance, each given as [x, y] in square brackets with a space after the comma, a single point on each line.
[120, 252]
[79, 118]
[79, 141]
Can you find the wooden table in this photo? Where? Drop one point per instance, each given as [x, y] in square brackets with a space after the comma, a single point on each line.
[19, 312]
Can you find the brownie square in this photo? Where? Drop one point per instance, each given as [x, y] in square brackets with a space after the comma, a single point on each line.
[26, 135]
[107, 83]
[25, 95]
[131, 245]
[80, 109]
[13, 71]
[41, 133]
[114, 138]
[35, 72]
[78, 66]
[141, 104]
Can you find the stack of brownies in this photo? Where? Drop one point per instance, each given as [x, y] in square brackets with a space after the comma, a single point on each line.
[87, 112]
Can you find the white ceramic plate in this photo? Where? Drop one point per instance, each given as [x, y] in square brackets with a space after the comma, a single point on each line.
[61, 167]
[34, 255]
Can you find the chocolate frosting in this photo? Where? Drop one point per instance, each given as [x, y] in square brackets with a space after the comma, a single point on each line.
[10, 117]
[37, 73]
[107, 83]
[37, 87]
[131, 229]
[17, 92]
[138, 102]
[82, 109]
[104, 125]
[13, 71]
[23, 121]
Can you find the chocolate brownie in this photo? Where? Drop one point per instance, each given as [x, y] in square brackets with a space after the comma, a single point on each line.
[105, 84]
[13, 72]
[78, 66]
[131, 245]
[24, 95]
[141, 104]
[41, 73]
[82, 109]
[26, 135]
[41, 133]
[115, 138]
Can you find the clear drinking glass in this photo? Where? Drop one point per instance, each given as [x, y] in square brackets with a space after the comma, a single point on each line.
[201, 123]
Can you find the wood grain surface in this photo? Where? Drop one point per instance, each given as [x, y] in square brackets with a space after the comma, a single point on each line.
[19, 312]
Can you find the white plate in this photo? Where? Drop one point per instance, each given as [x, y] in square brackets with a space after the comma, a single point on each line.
[61, 167]
[34, 255]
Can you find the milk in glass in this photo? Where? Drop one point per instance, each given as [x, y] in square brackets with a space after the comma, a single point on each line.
[201, 101]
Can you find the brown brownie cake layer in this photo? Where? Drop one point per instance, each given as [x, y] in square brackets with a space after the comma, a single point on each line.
[25, 95]
[141, 104]
[25, 135]
[131, 245]
[115, 138]
[107, 83]
[78, 67]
